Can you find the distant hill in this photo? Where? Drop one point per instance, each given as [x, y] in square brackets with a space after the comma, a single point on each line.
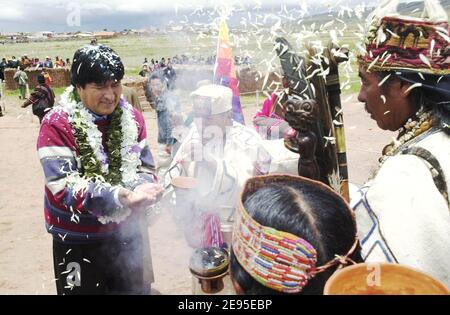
[405, 8]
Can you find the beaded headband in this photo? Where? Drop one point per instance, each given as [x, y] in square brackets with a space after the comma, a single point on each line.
[278, 260]
[395, 42]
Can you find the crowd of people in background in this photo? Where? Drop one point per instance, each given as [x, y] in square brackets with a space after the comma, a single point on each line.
[163, 68]
[32, 63]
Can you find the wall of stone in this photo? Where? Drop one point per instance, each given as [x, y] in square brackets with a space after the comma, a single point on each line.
[137, 83]
[60, 76]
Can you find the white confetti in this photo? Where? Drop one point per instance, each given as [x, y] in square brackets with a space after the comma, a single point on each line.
[337, 123]
[425, 60]
[62, 237]
[384, 80]
[444, 36]
[392, 33]
[373, 63]
[415, 85]
[432, 47]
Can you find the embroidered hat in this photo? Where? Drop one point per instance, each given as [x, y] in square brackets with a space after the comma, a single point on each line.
[396, 42]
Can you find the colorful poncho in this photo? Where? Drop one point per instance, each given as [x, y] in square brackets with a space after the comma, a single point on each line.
[72, 215]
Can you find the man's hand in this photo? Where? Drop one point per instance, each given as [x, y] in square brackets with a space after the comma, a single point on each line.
[152, 190]
[142, 197]
[24, 105]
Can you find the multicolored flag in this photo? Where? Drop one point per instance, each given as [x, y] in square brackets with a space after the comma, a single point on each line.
[225, 71]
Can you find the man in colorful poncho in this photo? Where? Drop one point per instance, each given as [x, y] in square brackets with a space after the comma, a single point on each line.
[99, 181]
[403, 212]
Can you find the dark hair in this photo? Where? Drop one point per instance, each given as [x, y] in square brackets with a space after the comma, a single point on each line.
[434, 94]
[305, 210]
[96, 64]
[157, 75]
[41, 79]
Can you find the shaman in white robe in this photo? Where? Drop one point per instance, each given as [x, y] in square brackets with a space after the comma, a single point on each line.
[241, 157]
[401, 214]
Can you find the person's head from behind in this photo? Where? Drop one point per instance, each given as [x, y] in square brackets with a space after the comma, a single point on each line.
[41, 79]
[157, 84]
[96, 74]
[295, 228]
[212, 103]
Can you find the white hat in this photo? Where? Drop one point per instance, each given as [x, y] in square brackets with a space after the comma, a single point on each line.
[221, 97]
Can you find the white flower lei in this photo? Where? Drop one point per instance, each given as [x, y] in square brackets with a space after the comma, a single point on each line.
[130, 158]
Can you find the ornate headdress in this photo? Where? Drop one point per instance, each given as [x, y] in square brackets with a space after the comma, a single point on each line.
[396, 42]
[278, 260]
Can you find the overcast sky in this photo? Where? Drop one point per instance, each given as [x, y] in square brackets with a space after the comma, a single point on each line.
[88, 15]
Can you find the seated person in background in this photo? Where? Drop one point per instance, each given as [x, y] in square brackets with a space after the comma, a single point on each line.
[269, 120]
[290, 235]
[59, 63]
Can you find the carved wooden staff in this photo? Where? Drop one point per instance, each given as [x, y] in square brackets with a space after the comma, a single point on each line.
[308, 112]
[337, 55]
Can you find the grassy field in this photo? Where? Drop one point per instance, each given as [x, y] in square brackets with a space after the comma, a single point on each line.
[133, 49]
[248, 40]
[256, 43]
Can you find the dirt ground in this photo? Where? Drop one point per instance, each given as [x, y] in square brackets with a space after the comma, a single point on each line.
[26, 265]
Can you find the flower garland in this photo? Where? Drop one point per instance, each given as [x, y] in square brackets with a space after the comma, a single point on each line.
[413, 128]
[120, 166]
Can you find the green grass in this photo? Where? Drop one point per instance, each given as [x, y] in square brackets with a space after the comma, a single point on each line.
[15, 93]
[133, 49]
